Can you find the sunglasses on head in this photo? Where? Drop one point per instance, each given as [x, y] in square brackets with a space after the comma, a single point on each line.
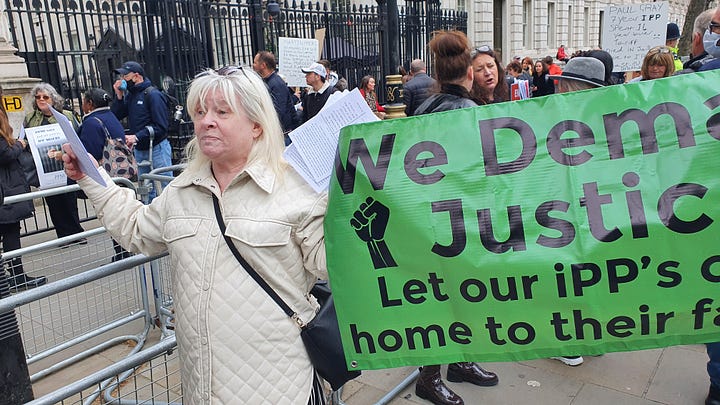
[660, 50]
[482, 49]
[224, 71]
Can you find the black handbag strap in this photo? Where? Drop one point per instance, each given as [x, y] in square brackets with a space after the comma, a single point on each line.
[251, 271]
[102, 124]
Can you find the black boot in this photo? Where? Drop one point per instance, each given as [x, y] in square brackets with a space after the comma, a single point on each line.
[430, 386]
[22, 281]
[472, 373]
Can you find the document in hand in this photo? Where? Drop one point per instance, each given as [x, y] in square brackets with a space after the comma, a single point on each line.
[42, 139]
[314, 143]
[84, 160]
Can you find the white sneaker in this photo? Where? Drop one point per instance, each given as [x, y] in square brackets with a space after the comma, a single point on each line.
[570, 360]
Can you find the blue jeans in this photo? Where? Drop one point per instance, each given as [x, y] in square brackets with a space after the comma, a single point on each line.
[713, 366]
[161, 157]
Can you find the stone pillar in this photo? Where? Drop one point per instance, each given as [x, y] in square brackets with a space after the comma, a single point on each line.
[14, 77]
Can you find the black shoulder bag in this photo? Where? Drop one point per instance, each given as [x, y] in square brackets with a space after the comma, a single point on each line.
[321, 335]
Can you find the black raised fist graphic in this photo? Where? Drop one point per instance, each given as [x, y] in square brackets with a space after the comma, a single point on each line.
[370, 221]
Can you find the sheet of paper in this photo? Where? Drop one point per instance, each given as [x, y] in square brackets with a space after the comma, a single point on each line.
[21, 135]
[41, 140]
[291, 155]
[84, 161]
[316, 140]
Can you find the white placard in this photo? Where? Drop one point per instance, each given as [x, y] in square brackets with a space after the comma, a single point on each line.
[295, 54]
[41, 140]
[630, 30]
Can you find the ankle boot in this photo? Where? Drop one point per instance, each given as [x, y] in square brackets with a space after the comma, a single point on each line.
[24, 282]
[472, 373]
[430, 386]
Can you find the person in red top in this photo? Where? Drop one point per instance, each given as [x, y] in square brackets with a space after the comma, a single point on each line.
[561, 55]
[367, 89]
[553, 69]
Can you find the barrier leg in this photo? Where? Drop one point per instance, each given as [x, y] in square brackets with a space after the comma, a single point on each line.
[15, 387]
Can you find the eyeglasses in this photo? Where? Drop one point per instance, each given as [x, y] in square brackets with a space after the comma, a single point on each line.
[224, 71]
[714, 28]
[45, 97]
[482, 49]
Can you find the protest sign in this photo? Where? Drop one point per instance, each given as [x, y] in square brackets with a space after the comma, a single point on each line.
[630, 30]
[573, 224]
[42, 139]
[295, 54]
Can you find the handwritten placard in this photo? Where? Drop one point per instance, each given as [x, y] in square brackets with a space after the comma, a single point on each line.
[295, 54]
[630, 30]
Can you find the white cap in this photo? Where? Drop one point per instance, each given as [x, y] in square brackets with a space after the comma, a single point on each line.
[316, 68]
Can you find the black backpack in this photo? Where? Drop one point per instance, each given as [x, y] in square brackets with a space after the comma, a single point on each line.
[174, 108]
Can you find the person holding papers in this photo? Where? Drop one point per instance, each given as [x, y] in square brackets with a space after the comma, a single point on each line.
[236, 345]
[454, 70]
[12, 179]
[62, 207]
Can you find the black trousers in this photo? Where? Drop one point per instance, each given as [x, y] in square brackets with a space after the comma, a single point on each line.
[64, 214]
[10, 238]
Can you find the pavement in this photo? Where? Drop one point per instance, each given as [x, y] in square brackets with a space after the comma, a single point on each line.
[671, 376]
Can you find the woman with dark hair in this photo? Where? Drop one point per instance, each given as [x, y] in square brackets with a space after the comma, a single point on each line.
[98, 122]
[489, 82]
[367, 89]
[528, 65]
[542, 84]
[13, 182]
[62, 207]
[98, 118]
[454, 71]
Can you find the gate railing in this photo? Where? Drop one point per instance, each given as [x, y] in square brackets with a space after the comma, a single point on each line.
[76, 44]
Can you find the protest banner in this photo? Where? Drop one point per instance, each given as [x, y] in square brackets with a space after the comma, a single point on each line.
[630, 30]
[573, 224]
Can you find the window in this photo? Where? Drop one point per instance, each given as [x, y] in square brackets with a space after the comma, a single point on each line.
[461, 5]
[551, 26]
[527, 24]
[586, 24]
[600, 34]
[221, 42]
[571, 28]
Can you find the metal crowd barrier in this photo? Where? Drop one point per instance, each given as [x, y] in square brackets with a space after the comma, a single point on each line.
[88, 305]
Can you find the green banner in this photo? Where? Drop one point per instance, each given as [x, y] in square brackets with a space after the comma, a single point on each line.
[573, 224]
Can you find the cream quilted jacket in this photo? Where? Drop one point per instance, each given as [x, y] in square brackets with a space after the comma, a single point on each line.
[236, 345]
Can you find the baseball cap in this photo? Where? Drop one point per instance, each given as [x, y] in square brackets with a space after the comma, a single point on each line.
[130, 67]
[315, 68]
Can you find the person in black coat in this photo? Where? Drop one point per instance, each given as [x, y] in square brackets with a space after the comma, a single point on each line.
[13, 182]
[418, 88]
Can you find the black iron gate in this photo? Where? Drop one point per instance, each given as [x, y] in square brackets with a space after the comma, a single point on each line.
[75, 44]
